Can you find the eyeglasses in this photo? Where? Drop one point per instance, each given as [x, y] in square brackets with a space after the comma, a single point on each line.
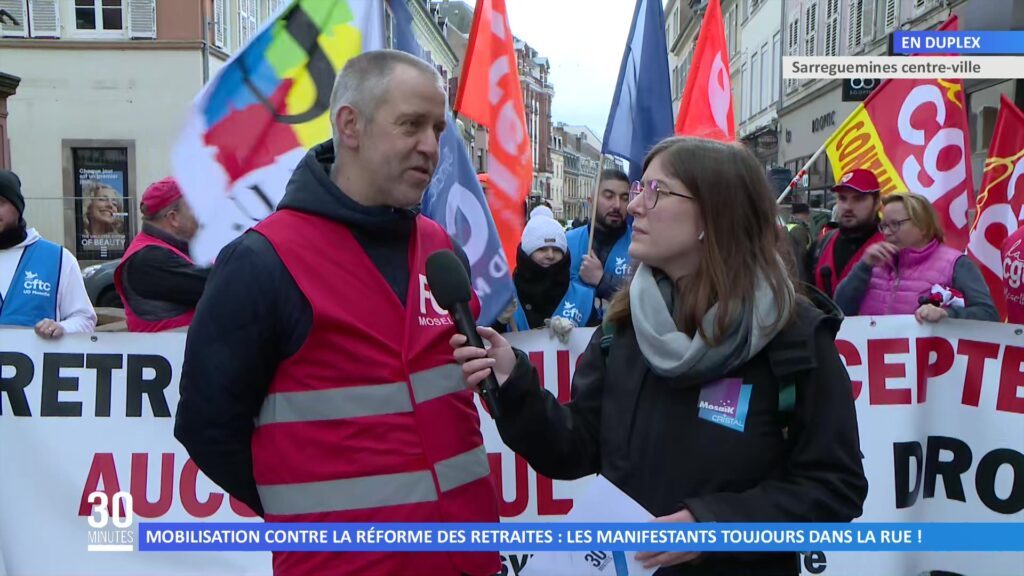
[894, 226]
[652, 190]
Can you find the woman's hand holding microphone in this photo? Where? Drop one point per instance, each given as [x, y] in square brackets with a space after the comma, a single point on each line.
[478, 363]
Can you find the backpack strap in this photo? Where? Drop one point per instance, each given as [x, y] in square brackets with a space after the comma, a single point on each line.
[607, 333]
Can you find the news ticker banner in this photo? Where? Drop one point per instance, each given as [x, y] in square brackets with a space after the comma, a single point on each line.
[918, 67]
[87, 423]
[549, 537]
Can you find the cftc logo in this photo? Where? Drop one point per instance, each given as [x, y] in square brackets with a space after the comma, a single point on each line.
[120, 538]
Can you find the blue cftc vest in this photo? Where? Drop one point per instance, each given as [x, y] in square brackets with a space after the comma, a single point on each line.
[32, 295]
[618, 264]
[577, 304]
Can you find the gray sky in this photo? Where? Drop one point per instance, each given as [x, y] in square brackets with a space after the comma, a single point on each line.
[583, 41]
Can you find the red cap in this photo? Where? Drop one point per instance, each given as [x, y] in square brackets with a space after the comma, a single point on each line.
[859, 180]
[484, 178]
[160, 195]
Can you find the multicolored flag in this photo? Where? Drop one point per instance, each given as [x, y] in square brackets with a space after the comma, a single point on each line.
[490, 94]
[706, 107]
[254, 121]
[913, 134]
[1001, 201]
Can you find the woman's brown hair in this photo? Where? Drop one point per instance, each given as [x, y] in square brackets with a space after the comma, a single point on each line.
[741, 238]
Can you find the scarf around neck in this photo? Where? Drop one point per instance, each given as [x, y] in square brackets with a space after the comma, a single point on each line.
[671, 353]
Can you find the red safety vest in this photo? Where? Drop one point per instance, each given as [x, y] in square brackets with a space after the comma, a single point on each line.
[370, 421]
[134, 323]
[827, 259]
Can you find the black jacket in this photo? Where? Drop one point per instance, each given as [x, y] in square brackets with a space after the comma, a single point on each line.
[158, 283]
[642, 432]
[253, 316]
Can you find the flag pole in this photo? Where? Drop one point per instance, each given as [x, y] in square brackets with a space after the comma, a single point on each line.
[593, 207]
[800, 175]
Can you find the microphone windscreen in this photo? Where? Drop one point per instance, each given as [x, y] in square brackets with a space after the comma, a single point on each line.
[447, 278]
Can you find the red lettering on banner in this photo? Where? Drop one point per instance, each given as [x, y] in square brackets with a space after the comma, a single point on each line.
[563, 382]
[926, 369]
[851, 357]
[140, 485]
[547, 504]
[879, 371]
[1011, 380]
[187, 491]
[516, 507]
[238, 507]
[102, 469]
[976, 353]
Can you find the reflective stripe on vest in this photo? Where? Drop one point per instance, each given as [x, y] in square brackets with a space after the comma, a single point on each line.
[374, 491]
[359, 401]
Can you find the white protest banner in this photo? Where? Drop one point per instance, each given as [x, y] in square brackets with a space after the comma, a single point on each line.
[940, 410]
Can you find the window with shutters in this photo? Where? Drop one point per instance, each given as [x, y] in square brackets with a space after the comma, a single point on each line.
[220, 23]
[730, 29]
[922, 6]
[248, 21]
[832, 27]
[744, 93]
[142, 18]
[855, 26]
[754, 89]
[811, 29]
[766, 77]
[13, 18]
[44, 19]
[890, 15]
[793, 45]
[389, 27]
[276, 5]
[99, 16]
[776, 66]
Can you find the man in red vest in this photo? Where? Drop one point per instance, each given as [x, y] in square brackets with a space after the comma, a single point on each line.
[156, 279]
[832, 257]
[318, 383]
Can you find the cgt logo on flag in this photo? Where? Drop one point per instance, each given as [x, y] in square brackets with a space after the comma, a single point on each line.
[117, 511]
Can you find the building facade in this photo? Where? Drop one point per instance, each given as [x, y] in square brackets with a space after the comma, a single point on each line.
[538, 92]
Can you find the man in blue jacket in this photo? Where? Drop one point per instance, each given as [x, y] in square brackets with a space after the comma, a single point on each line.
[605, 266]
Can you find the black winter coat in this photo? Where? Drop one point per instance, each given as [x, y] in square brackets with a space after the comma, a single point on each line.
[643, 433]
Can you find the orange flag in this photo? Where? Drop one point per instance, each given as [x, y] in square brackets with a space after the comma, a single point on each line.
[490, 94]
[913, 134]
[1001, 199]
[706, 107]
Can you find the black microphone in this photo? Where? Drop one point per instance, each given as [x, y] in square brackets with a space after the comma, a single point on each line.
[449, 284]
[826, 278]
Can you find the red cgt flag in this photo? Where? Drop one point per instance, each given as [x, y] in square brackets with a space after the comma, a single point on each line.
[1001, 199]
[706, 107]
[490, 94]
[913, 134]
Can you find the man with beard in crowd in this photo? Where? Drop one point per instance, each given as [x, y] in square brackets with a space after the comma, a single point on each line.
[832, 258]
[605, 266]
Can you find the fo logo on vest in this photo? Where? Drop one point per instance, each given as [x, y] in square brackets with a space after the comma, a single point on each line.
[36, 287]
[437, 315]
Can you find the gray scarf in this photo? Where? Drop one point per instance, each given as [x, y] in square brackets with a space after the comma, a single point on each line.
[671, 353]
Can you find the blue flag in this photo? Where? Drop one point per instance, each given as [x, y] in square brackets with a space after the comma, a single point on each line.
[641, 112]
[456, 201]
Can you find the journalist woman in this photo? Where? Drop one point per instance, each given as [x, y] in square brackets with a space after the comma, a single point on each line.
[713, 393]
